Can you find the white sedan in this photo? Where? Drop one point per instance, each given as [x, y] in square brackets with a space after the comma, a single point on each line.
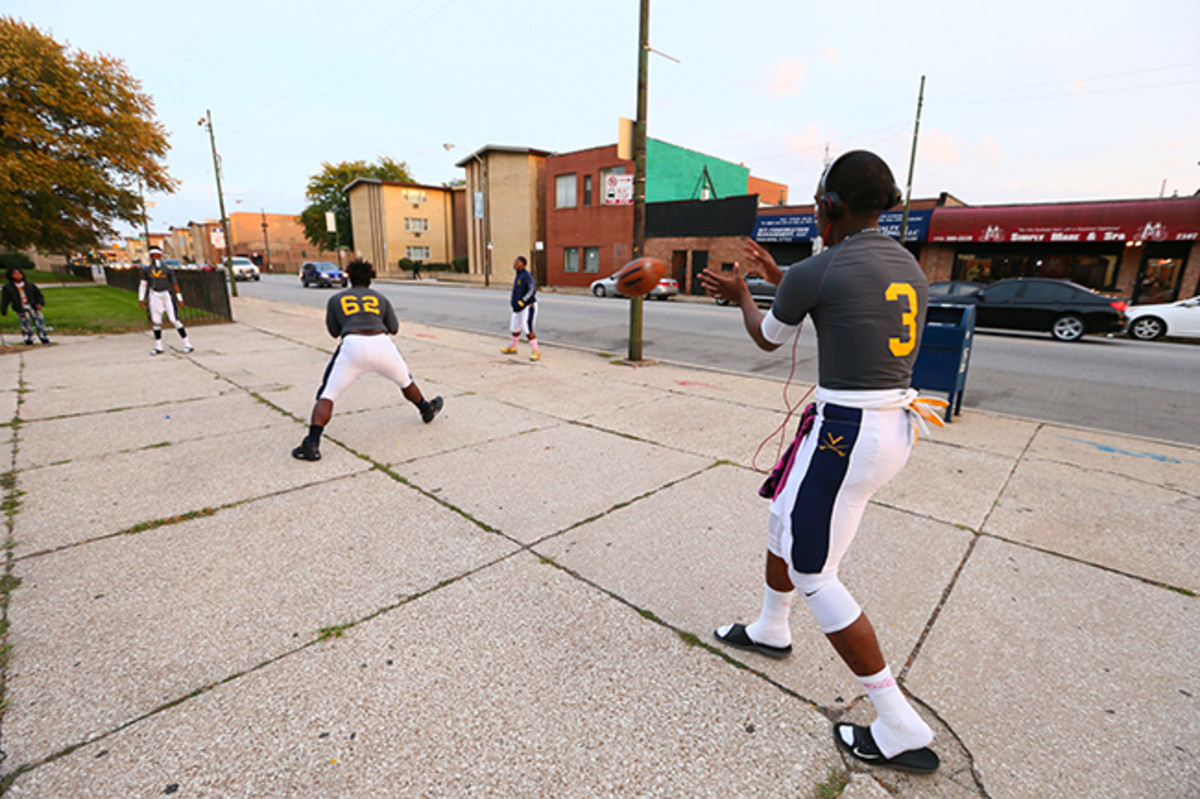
[1148, 322]
[607, 287]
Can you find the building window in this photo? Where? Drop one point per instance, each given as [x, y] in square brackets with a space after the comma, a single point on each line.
[591, 259]
[564, 191]
[571, 259]
[612, 170]
[414, 196]
[417, 253]
[587, 189]
[415, 225]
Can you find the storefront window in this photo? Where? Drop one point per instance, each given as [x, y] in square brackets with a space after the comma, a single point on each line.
[1094, 270]
[1158, 279]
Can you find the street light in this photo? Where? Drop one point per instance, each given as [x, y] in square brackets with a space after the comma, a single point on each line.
[206, 122]
[487, 216]
[266, 245]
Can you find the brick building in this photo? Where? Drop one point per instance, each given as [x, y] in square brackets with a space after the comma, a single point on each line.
[587, 237]
[1144, 250]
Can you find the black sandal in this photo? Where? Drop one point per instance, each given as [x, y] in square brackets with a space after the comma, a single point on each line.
[736, 636]
[864, 749]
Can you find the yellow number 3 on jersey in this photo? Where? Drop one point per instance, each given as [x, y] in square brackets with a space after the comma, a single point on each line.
[908, 318]
[350, 305]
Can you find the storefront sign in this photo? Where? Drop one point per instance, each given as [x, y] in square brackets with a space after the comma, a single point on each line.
[782, 229]
[918, 224]
[1085, 223]
[803, 227]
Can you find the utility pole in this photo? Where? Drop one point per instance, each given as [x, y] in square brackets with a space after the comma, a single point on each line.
[912, 160]
[266, 244]
[221, 203]
[639, 177]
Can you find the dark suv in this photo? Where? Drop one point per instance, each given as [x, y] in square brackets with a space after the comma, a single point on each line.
[322, 273]
[1064, 309]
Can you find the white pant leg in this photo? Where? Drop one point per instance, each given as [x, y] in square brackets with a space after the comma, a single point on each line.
[160, 303]
[520, 321]
[359, 354]
[386, 360]
[840, 465]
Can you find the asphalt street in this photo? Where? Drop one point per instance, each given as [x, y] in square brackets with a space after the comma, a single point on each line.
[1116, 384]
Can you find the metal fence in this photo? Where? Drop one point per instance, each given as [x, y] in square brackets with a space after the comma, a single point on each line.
[205, 294]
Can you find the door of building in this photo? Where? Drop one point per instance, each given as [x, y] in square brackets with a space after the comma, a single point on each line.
[699, 264]
[679, 266]
[1157, 280]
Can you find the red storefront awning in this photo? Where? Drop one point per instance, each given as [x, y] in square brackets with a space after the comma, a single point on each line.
[1132, 220]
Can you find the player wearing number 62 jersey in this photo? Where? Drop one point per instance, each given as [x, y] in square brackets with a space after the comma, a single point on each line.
[867, 297]
[362, 319]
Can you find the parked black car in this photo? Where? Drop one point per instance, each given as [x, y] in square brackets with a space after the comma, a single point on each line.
[322, 273]
[954, 287]
[1064, 309]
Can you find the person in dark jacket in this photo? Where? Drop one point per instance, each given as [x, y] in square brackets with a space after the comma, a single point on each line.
[27, 300]
[524, 309]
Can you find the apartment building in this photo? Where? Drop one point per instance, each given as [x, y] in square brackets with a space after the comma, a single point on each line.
[392, 221]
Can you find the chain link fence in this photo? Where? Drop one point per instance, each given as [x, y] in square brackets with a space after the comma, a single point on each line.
[205, 294]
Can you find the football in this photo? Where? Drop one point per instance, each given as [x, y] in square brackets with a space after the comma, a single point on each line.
[639, 277]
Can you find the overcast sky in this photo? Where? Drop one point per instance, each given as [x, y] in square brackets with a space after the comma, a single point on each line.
[1024, 101]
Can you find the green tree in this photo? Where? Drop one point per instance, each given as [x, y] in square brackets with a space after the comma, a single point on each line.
[76, 136]
[325, 193]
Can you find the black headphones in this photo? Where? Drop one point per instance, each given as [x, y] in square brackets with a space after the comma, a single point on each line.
[832, 204]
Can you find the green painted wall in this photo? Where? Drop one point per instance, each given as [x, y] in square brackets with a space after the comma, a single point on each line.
[675, 173]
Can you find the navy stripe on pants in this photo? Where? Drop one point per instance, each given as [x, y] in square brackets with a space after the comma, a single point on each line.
[823, 478]
[328, 369]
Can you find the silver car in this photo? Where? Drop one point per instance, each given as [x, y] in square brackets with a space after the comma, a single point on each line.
[607, 287]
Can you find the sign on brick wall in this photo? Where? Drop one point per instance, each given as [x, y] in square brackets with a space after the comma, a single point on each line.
[618, 190]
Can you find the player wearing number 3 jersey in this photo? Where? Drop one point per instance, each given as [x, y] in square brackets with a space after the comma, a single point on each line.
[867, 297]
[362, 319]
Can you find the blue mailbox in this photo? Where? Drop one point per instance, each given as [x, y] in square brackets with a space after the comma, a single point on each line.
[946, 352]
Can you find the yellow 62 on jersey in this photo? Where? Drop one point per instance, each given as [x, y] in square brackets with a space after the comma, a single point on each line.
[908, 318]
[351, 305]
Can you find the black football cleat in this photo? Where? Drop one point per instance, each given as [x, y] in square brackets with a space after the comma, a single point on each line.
[307, 451]
[435, 405]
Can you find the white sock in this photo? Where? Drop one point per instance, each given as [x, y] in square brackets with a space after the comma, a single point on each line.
[772, 627]
[898, 727]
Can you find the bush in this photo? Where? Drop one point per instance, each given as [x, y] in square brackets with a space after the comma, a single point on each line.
[406, 265]
[460, 265]
[15, 260]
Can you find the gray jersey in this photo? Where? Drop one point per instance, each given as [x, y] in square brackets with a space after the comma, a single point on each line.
[158, 277]
[360, 310]
[867, 297]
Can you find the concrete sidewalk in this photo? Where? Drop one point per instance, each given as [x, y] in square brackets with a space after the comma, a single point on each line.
[518, 599]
